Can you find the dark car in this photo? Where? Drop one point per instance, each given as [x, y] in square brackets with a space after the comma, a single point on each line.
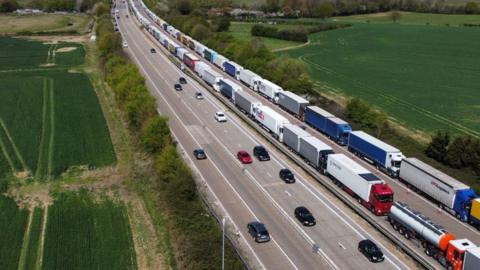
[178, 87]
[287, 176]
[152, 50]
[370, 250]
[199, 154]
[304, 216]
[182, 80]
[261, 153]
[258, 231]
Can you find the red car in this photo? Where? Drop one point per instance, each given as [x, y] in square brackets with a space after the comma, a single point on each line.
[244, 157]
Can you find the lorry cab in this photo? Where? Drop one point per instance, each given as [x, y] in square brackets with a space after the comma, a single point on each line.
[381, 199]
[462, 205]
[395, 161]
[456, 252]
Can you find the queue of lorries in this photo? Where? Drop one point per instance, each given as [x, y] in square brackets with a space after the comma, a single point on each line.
[370, 190]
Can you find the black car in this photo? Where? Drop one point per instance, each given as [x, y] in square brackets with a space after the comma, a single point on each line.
[261, 153]
[182, 80]
[287, 176]
[371, 251]
[152, 50]
[178, 87]
[304, 216]
[258, 231]
[199, 154]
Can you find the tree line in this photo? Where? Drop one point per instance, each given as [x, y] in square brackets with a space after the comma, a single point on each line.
[48, 5]
[192, 234]
[459, 152]
[299, 34]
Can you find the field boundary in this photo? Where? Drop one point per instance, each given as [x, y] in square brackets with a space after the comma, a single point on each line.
[52, 129]
[7, 156]
[292, 47]
[42, 239]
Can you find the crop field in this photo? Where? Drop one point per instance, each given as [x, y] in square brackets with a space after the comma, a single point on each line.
[12, 228]
[50, 118]
[241, 31]
[422, 76]
[51, 23]
[415, 18]
[32, 247]
[86, 234]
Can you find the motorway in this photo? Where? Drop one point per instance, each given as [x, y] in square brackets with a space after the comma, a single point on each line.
[402, 193]
[250, 192]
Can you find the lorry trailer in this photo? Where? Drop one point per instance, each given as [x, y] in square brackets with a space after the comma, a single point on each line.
[219, 60]
[269, 90]
[453, 195]
[212, 78]
[249, 78]
[317, 117]
[437, 242]
[181, 53]
[228, 88]
[271, 120]
[337, 129]
[246, 102]
[190, 60]
[370, 191]
[200, 68]
[384, 156]
[232, 68]
[292, 135]
[292, 103]
[209, 54]
[315, 152]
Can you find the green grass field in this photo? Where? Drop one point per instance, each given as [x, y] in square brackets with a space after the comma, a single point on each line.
[48, 23]
[50, 118]
[415, 18]
[424, 76]
[86, 234]
[241, 31]
[12, 228]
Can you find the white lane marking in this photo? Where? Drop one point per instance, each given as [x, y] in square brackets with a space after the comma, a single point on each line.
[288, 193]
[269, 174]
[243, 201]
[341, 245]
[323, 202]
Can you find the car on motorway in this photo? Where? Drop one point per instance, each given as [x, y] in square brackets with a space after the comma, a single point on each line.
[152, 50]
[198, 95]
[244, 157]
[199, 154]
[261, 153]
[258, 231]
[370, 250]
[125, 44]
[220, 117]
[178, 87]
[182, 80]
[304, 216]
[287, 176]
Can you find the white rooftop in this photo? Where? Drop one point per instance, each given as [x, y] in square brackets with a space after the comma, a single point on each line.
[352, 165]
[443, 177]
[316, 143]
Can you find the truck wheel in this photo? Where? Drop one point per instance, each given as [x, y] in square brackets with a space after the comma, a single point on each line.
[395, 226]
[406, 235]
[401, 231]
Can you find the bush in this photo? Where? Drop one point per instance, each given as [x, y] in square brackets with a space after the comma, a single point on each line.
[155, 134]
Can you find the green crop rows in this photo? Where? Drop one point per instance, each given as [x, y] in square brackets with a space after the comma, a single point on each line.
[12, 229]
[83, 234]
[50, 119]
[424, 76]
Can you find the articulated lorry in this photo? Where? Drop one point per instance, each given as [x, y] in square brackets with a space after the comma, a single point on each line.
[292, 135]
[246, 102]
[370, 191]
[269, 90]
[337, 129]
[451, 194]
[314, 152]
[249, 78]
[452, 253]
[232, 69]
[228, 88]
[384, 156]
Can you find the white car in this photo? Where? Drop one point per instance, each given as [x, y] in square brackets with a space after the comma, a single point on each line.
[125, 45]
[198, 95]
[220, 117]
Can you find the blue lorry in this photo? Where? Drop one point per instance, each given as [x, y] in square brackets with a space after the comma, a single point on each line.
[232, 68]
[337, 129]
[384, 156]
